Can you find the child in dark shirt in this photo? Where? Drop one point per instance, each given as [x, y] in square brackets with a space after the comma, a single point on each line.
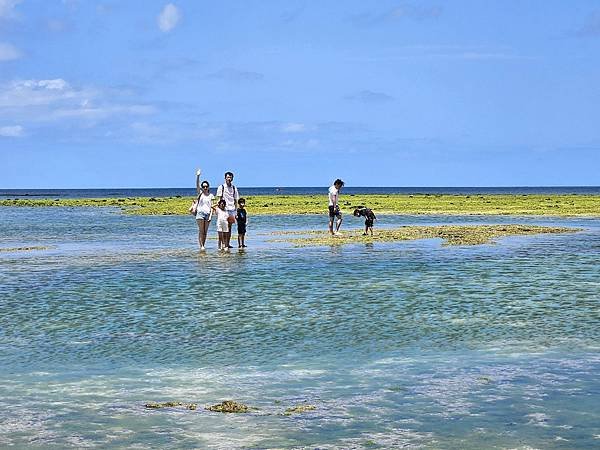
[242, 219]
[369, 216]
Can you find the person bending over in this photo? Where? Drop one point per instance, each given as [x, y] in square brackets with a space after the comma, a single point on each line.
[369, 216]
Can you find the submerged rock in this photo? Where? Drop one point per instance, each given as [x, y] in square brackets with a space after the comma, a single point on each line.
[155, 405]
[229, 406]
[299, 409]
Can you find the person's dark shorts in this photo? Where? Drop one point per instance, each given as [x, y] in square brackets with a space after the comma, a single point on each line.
[368, 222]
[335, 212]
[241, 228]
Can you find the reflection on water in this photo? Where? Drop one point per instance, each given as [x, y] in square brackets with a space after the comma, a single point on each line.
[404, 344]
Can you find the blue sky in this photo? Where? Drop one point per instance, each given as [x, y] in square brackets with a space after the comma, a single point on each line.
[139, 93]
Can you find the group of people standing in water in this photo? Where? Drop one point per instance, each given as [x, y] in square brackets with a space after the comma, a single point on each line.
[230, 208]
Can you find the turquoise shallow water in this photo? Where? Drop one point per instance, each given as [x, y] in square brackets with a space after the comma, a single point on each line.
[403, 345]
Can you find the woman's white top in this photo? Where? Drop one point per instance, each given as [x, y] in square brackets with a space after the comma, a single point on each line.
[205, 203]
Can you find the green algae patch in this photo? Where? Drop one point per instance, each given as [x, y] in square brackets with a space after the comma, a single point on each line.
[451, 234]
[23, 249]
[130, 205]
[229, 406]
[155, 405]
[438, 204]
[298, 409]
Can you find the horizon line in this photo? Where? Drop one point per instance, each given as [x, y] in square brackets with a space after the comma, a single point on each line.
[315, 186]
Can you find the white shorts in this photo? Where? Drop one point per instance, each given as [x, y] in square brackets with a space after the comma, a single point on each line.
[223, 226]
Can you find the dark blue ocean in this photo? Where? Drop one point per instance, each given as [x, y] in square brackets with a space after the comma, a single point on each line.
[308, 190]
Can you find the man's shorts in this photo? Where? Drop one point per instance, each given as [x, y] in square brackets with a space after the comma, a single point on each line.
[334, 212]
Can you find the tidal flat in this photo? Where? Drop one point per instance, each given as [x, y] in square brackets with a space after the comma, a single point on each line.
[559, 205]
[450, 234]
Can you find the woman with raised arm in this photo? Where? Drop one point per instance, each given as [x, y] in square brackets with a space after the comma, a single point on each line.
[204, 210]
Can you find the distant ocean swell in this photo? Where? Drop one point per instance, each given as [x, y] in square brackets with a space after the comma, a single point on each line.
[248, 191]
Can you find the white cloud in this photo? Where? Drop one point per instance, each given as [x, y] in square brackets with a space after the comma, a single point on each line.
[86, 111]
[8, 52]
[24, 93]
[12, 131]
[7, 7]
[57, 84]
[168, 18]
[293, 128]
[56, 99]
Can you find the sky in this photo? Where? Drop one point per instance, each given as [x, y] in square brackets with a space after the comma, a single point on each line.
[140, 93]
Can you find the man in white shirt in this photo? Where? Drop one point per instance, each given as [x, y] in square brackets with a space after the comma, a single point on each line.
[334, 208]
[230, 194]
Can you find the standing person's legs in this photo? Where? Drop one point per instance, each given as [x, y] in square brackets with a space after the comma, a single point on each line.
[228, 236]
[241, 229]
[229, 224]
[205, 225]
[331, 217]
[369, 226]
[200, 230]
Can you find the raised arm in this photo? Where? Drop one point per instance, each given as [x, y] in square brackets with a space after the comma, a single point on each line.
[198, 188]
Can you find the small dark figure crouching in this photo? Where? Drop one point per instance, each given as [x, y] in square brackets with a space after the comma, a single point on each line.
[369, 216]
